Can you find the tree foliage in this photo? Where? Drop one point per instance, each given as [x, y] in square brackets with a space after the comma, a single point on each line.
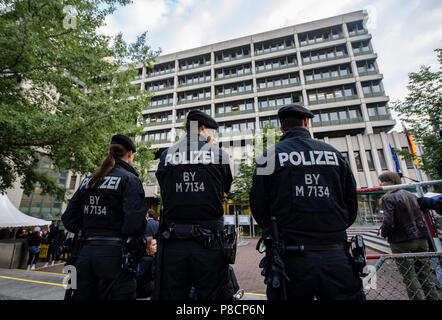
[242, 183]
[421, 111]
[64, 88]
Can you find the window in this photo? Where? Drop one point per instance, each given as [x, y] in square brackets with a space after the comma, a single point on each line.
[343, 115]
[382, 159]
[369, 160]
[358, 161]
[408, 160]
[73, 182]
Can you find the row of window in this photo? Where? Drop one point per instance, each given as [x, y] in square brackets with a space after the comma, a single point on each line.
[328, 73]
[158, 136]
[194, 62]
[308, 57]
[234, 71]
[234, 88]
[337, 116]
[165, 117]
[193, 96]
[159, 85]
[232, 54]
[371, 87]
[323, 95]
[278, 81]
[276, 63]
[228, 108]
[181, 114]
[160, 69]
[195, 78]
[318, 36]
[275, 45]
[160, 101]
[279, 100]
[321, 55]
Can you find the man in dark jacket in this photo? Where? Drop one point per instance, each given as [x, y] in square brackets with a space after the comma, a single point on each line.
[151, 225]
[312, 194]
[194, 176]
[405, 230]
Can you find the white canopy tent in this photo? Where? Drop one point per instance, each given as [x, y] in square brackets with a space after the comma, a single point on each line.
[11, 217]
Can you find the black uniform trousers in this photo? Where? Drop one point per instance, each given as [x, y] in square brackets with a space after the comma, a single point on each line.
[324, 275]
[100, 276]
[188, 263]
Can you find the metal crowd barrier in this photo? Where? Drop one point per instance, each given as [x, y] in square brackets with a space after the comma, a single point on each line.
[405, 276]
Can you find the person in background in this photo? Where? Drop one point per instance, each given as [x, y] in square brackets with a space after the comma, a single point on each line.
[405, 230]
[144, 277]
[34, 240]
[151, 225]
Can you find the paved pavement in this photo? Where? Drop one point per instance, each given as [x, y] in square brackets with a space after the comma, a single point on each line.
[46, 283]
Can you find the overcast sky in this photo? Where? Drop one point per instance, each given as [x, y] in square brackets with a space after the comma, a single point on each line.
[405, 32]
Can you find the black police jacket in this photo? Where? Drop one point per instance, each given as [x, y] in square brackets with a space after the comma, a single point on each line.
[116, 208]
[193, 176]
[310, 190]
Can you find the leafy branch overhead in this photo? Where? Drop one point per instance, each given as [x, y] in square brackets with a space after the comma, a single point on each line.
[421, 111]
[64, 91]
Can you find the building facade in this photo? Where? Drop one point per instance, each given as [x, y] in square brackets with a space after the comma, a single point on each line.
[328, 66]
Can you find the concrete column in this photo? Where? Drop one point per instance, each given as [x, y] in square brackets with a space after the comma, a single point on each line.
[365, 116]
[387, 152]
[364, 160]
[351, 159]
[397, 145]
[175, 100]
[374, 154]
[212, 83]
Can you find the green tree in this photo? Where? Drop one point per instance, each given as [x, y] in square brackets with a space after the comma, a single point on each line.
[242, 183]
[421, 111]
[64, 88]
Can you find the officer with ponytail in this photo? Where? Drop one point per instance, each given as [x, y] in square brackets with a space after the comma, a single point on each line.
[108, 208]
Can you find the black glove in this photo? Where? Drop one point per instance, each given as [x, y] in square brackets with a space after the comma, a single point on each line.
[424, 203]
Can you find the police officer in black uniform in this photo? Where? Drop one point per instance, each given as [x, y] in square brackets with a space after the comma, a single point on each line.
[108, 208]
[311, 192]
[194, 176]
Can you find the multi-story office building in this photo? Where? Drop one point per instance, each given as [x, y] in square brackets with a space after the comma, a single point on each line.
[329, 66]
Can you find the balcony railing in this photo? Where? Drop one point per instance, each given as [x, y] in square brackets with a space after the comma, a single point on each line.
[316, 41]
[157, 123]
[260, 52]
[160, 89]
[228, 59]
[232, 94]
[194, 66]
[325, 59]
[337, 122]
[160, 105]
[289, 65]
[237, 75]
[331, 100]
[233, 113]
[193, 100]
[159, 141]
[280, 87]
[358, 32]
[329, 79]
[159, 73]
[186, 84]
[359, 51]
[374, 94]
[276, 107]
[380, 117]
